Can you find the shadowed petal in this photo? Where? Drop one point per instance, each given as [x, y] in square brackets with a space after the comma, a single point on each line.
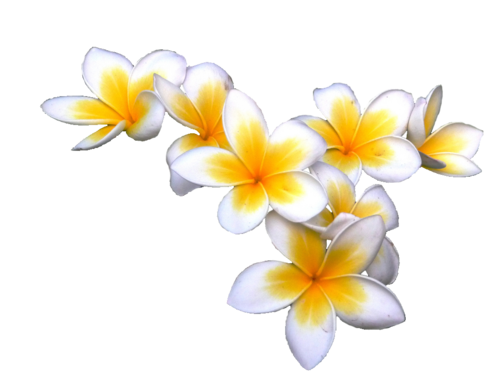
[385, 266]
[456, 165]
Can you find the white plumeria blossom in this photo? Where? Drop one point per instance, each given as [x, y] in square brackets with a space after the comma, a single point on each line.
[319, 285]
[264, 170]
[449, 149]
[371, 141]
[199, 108]
[125, 100]
[344, 210]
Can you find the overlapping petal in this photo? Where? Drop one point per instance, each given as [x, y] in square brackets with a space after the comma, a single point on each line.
[339, 188]
[207, 85]
[375, 201]
[430, 162]
[101, 137]
[350, 252]
[457, 138]
[243, 208]
[340, 107]
[148, 114]
[297, 196]
[342, 221]
[456, 165]
[416, 128]
[166, 64]
[107, 74]
[350, 164]
[389, 159]
[320, 222]
[246, 129]
[299, 244]
[310, 327]
[323, 128]
[267, 286]
[81, 110]
[387, 114]
[211, 166]
[434, 100]
[385, 266]
[363, 302]
[178, 105]
[292, 146]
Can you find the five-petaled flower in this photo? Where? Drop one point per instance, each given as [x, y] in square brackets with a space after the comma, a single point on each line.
[199, 108]
[265, 170]
[449, 149]
[371, 141]
[126, 102]
[344, 210]
[319, 285]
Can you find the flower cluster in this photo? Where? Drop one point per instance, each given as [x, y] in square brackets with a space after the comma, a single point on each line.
[305, 172]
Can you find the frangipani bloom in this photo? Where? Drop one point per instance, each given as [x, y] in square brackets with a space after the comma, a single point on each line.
[125, 100]
[319, 285]
[345, 210]
[448, 150]
[265, 170]
[371, 141]
[200, 108]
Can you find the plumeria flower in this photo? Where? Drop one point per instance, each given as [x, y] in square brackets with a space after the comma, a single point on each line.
[199, 108]
[344, 210]
[371, 141]
[264, 170]
[319, 285]
[449, 149]
[125, 100]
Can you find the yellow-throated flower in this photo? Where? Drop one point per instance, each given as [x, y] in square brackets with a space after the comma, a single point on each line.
[319, 285]
[449, 149]
[371, 141]
[265, 170]
[125, 100]
[344, 210]
[199, 108]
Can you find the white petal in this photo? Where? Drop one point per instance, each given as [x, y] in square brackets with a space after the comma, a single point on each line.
[456, 165]
[267, 286]
[342, 221]
[297, 196]
[293, 146]
[375, 201]
[416, 127]
[148, 113]
[429, 162]
[166, 64]
[246, 129]
[107, 73]
[81, 110]
[181, 186]
[363, 302]
[101, 137]
[389, 159]
[243, 208]
[385, 266]
[310, 328]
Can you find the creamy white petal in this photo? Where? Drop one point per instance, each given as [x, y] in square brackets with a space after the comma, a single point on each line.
[267, 286]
